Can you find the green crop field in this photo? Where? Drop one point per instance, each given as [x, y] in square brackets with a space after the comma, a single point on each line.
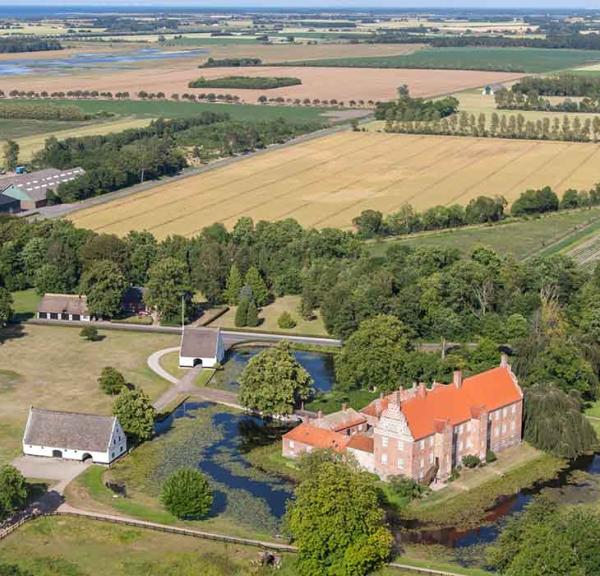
[471, 58]
[522, 238]
[172, 109]
[19, 128]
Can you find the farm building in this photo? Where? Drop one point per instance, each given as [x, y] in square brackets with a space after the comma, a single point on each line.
[73, 436]
[9, 205]
[201, 347]
[64, 307]
[133, 300]
[31, 190]
[423, 433]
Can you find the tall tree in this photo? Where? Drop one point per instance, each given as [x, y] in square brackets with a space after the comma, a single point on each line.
[274, 382]
[373, 357]
[187, 494]
[167, 286]
[260, 291]
[135, 413]
[6, 310]
[554, 422]
[13, 491]
[234, 286]
[104, 285]
[11, 154]
[337, 523]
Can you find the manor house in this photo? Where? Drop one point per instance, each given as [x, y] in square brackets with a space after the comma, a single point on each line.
[422, 433]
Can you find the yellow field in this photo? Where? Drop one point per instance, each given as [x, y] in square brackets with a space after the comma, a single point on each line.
[329, 181]
[30, 144]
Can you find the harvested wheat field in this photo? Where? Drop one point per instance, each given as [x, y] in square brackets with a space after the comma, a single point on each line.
[342, 84]
[329, 181]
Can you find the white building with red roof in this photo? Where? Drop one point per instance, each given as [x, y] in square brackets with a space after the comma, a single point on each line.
[423, 433]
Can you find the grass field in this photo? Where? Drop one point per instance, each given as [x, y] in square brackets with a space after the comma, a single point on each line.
[271, 313]
[15, 129]
[53, 367]
[329, 181]
[172, 109]
[522, 238]
[471, 58]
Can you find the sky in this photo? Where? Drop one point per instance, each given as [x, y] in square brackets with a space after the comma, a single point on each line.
[548, 4]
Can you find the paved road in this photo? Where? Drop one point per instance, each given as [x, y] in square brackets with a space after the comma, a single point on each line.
[61, 472]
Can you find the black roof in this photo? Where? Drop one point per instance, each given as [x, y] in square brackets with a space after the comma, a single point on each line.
[8, 201]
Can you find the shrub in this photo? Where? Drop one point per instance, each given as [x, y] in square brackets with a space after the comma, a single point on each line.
[246, 82]
[252, 316]
[187, 494]
[490, 456]
[286, 321]
[111, 381]
[404, 487]
[13, 491]
[471, 461]
[89, 333]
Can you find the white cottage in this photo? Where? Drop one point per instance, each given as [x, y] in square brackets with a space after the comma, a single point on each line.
[73, 436]
[64, 307]
[201, 347]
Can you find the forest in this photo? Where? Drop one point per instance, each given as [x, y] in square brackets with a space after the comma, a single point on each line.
[11, 44]
[406, 108]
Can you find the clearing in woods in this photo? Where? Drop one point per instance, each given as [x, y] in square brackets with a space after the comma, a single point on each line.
[328, 181]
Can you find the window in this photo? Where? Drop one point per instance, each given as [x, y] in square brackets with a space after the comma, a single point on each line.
[513, 426]
[469, 443]
[422, 463]
[431, 440]
[503, 428]
[291, 443]
[384, 459]
[431, 458]
[384, 441]
[460, 445]
[400, 463]
[112, 454]
[514, 409]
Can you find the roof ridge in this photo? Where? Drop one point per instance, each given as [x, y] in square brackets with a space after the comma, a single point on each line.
[51, 411]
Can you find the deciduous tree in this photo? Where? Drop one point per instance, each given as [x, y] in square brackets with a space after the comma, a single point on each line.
[104, 284]
[274, 382]
[13, 490]
[135, 413]
[111, 381]
[187, 494]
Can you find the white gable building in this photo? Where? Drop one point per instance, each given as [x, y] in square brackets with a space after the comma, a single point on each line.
[73, 436]
[201, 347]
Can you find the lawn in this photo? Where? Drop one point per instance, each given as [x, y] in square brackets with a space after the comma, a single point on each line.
[470, 58]
[54, 546]
[522, 238]
[172, 109]
[53, 367]
[25, 303]
[271, 313]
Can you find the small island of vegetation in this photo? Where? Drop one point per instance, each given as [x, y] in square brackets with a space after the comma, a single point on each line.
[246, 82]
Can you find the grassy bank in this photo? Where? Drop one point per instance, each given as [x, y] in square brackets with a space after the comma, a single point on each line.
[465, 502]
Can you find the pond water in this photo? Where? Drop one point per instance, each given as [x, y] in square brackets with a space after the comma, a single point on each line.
[222, 460]
[92, 60]
[318, 364]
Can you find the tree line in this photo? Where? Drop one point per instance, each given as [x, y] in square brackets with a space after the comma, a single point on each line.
[480, 210]
[115, 161]
[11, 44]
[510, 100]
[513, 126]
[559, 85]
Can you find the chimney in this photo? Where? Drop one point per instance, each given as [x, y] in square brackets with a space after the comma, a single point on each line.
[320, 414]
[504, 360]
[398, 397]
[381, 395]
[344, 406]
[457, 378]
[422, 391]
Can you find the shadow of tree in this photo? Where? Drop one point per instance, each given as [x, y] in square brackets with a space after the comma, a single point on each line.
[11, 332]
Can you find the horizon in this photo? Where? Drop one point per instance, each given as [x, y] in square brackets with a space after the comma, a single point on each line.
[411, 5]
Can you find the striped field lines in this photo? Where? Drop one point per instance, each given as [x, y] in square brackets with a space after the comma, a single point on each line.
[330, 180]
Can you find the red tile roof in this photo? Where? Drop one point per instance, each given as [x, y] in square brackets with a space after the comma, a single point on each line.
[361, 442]
[317, 437]
[489, 390]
